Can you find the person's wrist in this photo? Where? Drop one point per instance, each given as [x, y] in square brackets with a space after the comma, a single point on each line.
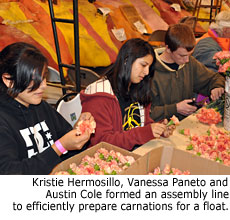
[60, 147]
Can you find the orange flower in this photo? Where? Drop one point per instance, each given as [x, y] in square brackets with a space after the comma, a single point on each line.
[174, 121]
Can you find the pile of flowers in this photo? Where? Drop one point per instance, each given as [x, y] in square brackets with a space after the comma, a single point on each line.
[209, 116]
[103, 162]
[223, 61]
[168, 171]
[215, 145]
[218, 105]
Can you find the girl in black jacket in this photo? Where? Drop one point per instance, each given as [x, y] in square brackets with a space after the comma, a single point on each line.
[33, 135]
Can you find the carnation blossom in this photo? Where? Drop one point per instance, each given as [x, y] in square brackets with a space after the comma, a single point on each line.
[85, 124]
[168, 171]
[223, 61]
[173, 121]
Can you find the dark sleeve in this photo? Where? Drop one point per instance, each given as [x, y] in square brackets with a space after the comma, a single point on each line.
[204, 52]
[159, 111]
[42, 163]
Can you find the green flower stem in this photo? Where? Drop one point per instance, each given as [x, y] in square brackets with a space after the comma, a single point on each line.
[171, 122]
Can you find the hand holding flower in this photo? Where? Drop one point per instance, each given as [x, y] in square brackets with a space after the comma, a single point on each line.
[169, 131]
[216, 93]
[158, 129]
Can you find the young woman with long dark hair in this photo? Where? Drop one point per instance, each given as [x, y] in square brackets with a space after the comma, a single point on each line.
[120, 101]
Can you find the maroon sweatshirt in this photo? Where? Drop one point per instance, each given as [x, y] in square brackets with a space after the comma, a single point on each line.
[99, 99]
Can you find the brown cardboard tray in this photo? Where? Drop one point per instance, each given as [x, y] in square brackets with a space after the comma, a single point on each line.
[63, 166]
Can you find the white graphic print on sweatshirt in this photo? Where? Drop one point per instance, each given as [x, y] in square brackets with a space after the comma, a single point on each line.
[42, 136]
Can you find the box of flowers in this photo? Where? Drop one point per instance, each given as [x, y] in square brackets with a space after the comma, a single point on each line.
[101, 159]
[172, 161]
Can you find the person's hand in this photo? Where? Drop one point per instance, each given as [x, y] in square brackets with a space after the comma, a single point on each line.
[216, 93]
[169, 129]
[184, 108]
[158, 129]
[86, 116]
[164, 121]
[72, 141]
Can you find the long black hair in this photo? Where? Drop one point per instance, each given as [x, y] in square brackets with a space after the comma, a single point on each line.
[23, 63]
[120, 72]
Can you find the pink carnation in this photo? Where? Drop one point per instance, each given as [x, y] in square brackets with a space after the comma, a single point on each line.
[167, 169]
[223, 61]
[173, 121]
[157, 171]
[222, 55]
[225, 67]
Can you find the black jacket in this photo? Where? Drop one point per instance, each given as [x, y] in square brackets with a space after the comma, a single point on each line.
[26, 135]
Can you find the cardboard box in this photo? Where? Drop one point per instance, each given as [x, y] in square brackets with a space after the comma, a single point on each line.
[177, 158]
[63, 166]
[159, 156]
